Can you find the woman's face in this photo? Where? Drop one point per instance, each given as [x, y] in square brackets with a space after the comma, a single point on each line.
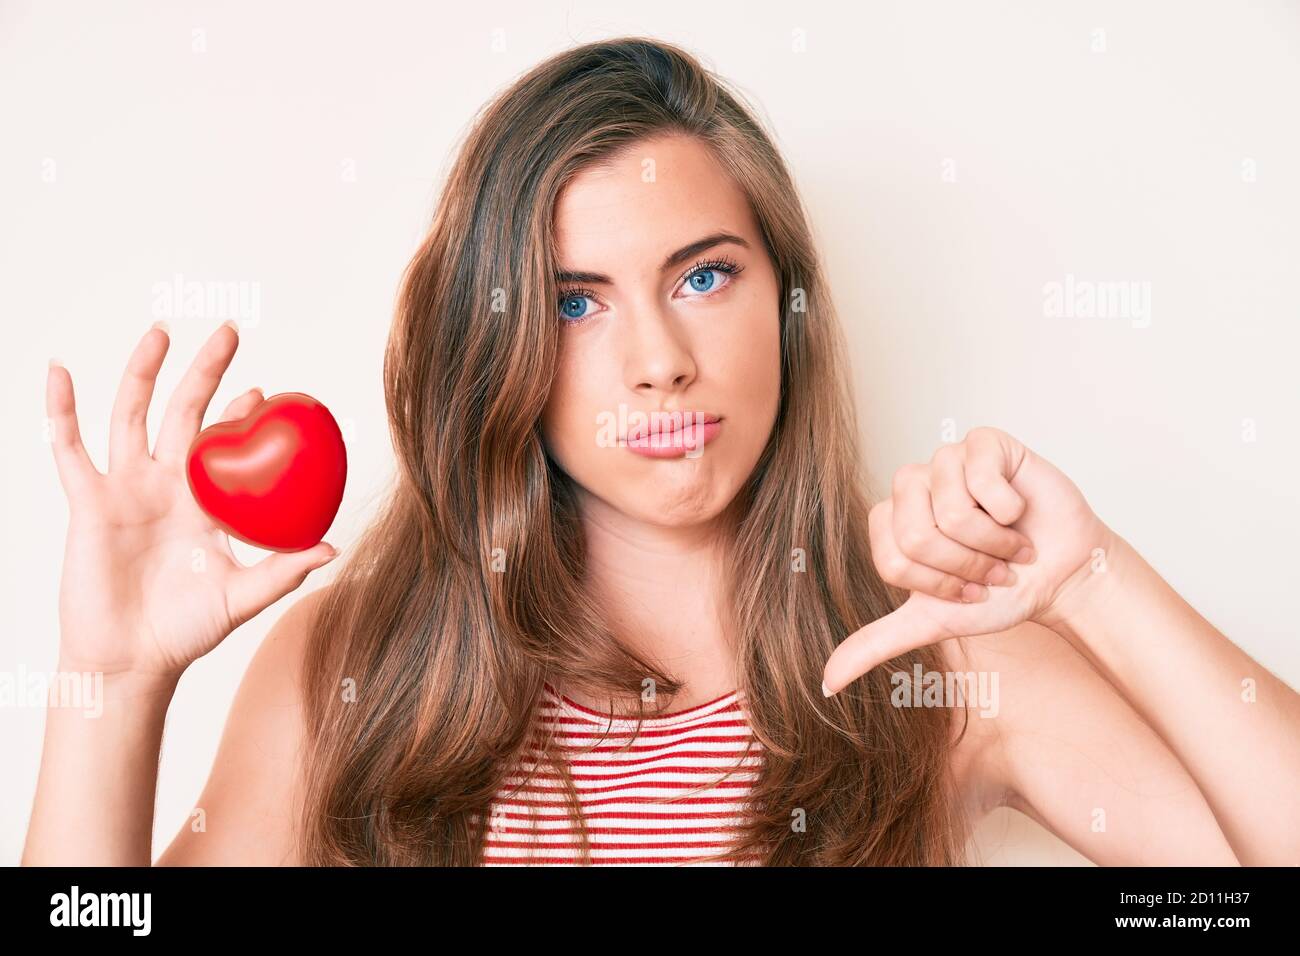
[660, 322]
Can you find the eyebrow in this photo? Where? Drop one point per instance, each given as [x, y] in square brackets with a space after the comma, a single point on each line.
[676, 258]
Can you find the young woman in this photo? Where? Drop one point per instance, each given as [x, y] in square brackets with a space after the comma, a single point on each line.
[603, 617]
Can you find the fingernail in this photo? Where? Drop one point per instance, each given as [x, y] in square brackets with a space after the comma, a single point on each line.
[162, 324]
[1024, 556]
[233, 324]
[1002, 576]
[826, 691]
[54, 362]
[973, 593]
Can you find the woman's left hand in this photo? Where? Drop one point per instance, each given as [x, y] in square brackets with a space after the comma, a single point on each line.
[945, 532]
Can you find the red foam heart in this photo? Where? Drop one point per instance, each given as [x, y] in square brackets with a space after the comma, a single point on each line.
[274, 478]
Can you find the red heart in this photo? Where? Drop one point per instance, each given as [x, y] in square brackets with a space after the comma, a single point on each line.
[275, 478]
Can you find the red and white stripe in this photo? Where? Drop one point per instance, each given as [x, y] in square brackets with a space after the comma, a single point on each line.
[668, 798]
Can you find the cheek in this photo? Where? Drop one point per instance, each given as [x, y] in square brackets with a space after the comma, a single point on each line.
[754, 357]
[747, 355]
[568, 420]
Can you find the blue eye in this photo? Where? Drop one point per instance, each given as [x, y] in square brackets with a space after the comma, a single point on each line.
[703, 280]
[571, 306]
[703, 277]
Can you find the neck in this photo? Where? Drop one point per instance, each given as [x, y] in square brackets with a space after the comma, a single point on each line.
[662, 590]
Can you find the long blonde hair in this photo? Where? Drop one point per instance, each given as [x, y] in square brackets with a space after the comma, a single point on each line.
[446, 654]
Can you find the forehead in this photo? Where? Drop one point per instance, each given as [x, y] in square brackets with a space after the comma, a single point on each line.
[653, 197]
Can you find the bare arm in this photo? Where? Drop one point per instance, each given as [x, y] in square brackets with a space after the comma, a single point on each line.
[95, 792]
[100, 773]
[1234, 725]
[1229, 723]
[1070, 753]
[250, 804]
[149, 585]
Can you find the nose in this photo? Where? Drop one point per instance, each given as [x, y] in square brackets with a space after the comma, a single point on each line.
[658, 355]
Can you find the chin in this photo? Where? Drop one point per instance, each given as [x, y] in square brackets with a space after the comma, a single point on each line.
[678, 505]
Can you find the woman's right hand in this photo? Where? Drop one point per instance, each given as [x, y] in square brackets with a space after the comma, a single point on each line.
[149, 581]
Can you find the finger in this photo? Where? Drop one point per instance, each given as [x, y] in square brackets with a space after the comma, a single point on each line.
[960, 517]
[899, 570]
[240, 406]
[224, 537]
[184, 415]
[991, 462]
[76, 471]
[127, 436]
[883, 639]
[254, 589]
[917, 535]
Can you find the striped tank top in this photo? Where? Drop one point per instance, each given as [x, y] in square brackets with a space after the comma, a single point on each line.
[667, 797]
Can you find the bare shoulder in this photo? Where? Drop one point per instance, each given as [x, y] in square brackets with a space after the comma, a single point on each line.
[1012, 678]
[251, 800]
[1015, 671]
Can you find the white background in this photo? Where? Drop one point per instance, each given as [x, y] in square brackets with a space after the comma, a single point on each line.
[299, 147]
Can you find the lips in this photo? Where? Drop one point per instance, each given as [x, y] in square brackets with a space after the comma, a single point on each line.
[674, 435]
[663, 425]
